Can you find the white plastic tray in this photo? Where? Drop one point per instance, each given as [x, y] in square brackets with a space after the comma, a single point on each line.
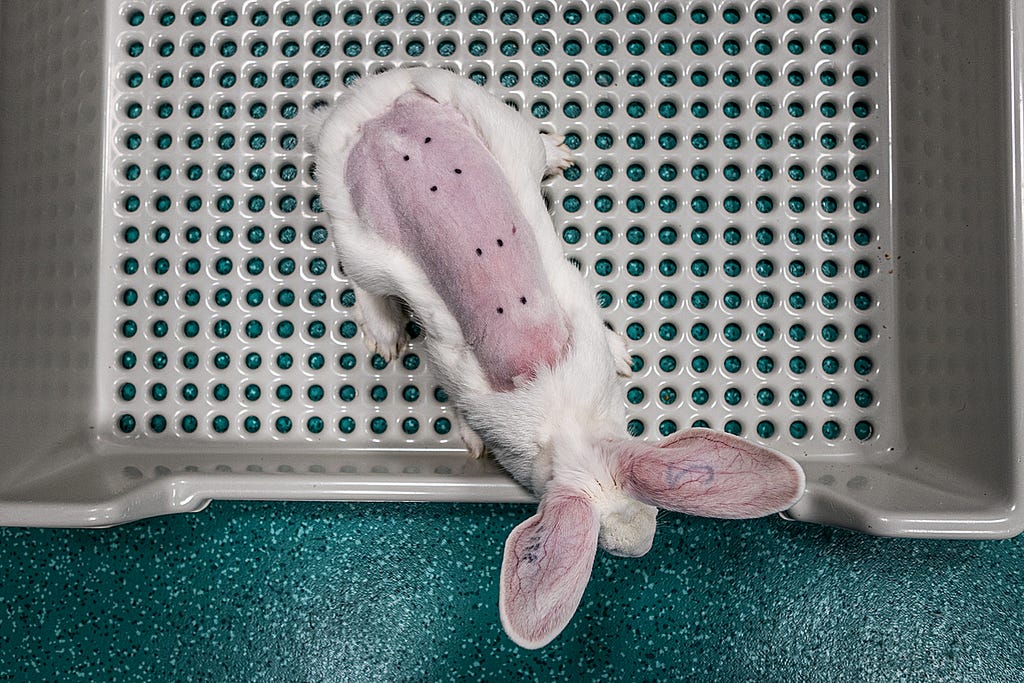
[804, 214]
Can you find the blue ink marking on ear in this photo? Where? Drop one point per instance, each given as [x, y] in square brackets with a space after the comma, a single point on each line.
[676, 474]
[531, 555]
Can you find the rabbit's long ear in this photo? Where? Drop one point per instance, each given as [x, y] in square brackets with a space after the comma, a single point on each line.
[710, 474]
[546, 568]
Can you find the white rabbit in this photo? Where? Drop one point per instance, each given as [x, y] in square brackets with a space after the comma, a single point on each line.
[432, 188]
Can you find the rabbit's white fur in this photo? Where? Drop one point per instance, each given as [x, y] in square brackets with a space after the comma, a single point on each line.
[566, 409]
[559, 433]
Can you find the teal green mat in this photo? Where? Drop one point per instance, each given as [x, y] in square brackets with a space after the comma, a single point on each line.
[352, 592]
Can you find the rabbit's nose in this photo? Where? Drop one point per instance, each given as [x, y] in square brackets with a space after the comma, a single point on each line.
[638, 549]
[628, 531]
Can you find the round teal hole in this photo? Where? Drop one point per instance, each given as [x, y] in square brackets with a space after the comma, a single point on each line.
[700, 364]
[635, 395]
[830, 397]
[283, 424]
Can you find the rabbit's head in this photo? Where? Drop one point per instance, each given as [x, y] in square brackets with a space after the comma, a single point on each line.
[548, 558]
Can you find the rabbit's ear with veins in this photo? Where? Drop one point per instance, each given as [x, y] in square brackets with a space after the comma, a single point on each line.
[709, 474]
[546, 568]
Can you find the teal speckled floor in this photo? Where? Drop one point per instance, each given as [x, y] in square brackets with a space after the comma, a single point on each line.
[352, 592]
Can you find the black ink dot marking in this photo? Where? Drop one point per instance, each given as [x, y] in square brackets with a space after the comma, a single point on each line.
[522, 300]
[479, 252]
[433, 188]
[500, 243]
[427, 140]
[458, 170]
[406, 157]
[500, 310]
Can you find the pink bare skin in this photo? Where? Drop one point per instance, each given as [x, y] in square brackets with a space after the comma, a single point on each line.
[422, 178]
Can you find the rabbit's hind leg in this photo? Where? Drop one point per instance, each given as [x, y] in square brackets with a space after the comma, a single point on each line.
[383, 321]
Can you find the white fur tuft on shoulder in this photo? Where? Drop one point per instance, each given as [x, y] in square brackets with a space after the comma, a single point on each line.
[312, 125]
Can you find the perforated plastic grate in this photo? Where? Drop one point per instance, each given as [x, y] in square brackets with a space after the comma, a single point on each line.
[729, 206]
